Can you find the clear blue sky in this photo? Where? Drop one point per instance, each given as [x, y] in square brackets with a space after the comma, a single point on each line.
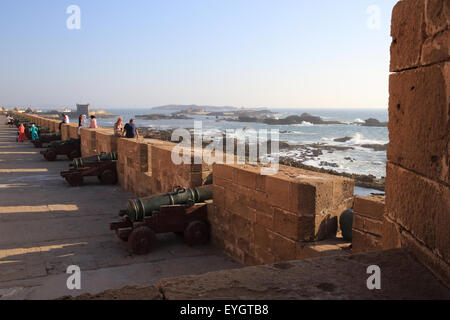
[137, 53]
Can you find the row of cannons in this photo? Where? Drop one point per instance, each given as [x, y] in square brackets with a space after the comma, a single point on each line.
[183, 211]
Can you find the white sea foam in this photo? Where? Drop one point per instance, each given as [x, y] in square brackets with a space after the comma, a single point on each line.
[359, 139]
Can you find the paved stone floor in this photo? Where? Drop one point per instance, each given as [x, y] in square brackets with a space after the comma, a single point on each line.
[46, 225]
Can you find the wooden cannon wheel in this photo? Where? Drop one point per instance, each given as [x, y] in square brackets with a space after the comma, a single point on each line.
[50, 155]
[74, 155]
[108, 177]
[38, 144]
[197, 232]
[75, 179]
[141, 240]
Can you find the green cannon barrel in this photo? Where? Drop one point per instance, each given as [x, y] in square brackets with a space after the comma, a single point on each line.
[70, 142]
[78, 163]
[137, 209]
[346, 223]
[51, 134]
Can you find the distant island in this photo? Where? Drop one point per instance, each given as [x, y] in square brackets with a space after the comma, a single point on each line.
[163, 117]
[184, 111]
[290, 120]
[186, 108]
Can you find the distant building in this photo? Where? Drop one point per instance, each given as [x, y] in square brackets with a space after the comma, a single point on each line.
[83, 109]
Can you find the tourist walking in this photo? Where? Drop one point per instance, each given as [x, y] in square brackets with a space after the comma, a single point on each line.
[118, 128]
[131, 131]
[34, 132]
[22, 137]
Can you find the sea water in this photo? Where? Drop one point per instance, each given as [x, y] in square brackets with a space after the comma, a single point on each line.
[357, 160]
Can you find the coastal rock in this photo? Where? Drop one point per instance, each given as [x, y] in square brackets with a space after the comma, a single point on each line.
[374, 123]
[290, 120]
[163, 117]
[345, 139]
[376, 147]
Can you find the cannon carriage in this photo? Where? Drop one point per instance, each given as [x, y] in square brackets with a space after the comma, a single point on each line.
[103, 166]
[183, 212]
[71, 148]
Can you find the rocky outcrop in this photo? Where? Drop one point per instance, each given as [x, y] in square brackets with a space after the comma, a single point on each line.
[374, 123]
[163, 117]
[304, 118]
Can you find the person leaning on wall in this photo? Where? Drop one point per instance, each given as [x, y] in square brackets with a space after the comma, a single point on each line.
[93, 124]
[131, 131]
[119, 131]
[82, 123]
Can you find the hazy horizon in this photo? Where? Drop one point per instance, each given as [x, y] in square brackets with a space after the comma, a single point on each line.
[217, 106]
[255, 53]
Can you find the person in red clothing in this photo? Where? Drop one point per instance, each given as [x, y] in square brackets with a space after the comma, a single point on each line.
[22, 136]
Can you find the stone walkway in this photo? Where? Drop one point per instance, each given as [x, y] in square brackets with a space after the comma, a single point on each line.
[45, 226]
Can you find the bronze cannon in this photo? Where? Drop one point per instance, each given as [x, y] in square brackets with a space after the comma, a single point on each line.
[183, 212]
[71, 148]
[103, 166]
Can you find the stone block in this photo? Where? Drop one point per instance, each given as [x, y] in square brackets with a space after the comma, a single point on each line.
[408, 34]
[437, 16]
[421, 207]
[370, 206]
[436, 48]
[419, 121]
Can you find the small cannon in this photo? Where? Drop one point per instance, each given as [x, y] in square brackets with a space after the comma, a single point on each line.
[100, 166]
[183, 212]
[71, 148]
[79, 163]
[46, 138]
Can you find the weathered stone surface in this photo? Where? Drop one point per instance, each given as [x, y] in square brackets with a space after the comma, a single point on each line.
[88, 142]
[421, 206]
[419, 120]
[370, 206]
[272, 215]
[391, 234]
[365, 242]
[106, 141]
[436, 48]
[408, 34]
[337, 277]
[437, 16]
[126, 293]
[440, 268]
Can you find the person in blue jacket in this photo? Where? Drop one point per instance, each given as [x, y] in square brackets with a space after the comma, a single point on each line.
[34, 132]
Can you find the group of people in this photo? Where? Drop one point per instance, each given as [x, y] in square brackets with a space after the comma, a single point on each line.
[129, 130]
[34, 133]
[83, 122]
